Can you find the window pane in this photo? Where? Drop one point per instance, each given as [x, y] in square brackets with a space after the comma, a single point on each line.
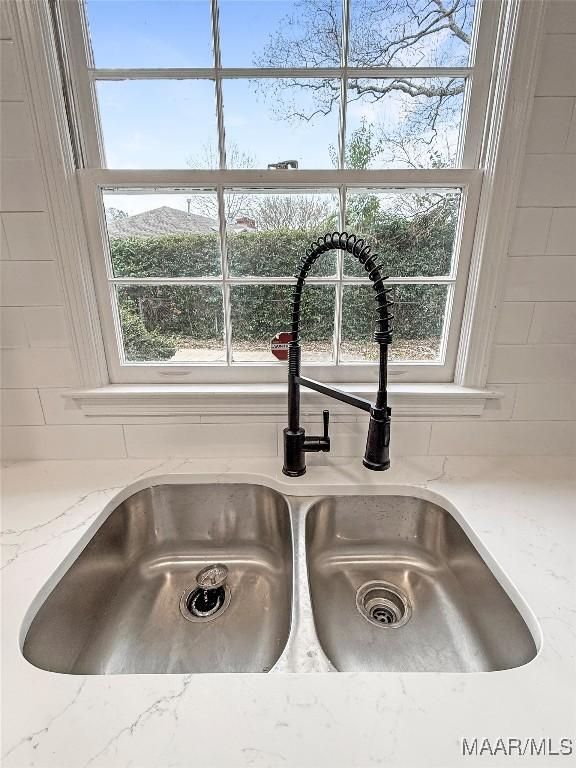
[413, 231]
[419, 313]
[407, 122]
[150, 33]
[260, 311]
[269, 120]
[163, 235]
[280, 33]
[269, 233]
[176, 324]
[420, 33]
[156, 123]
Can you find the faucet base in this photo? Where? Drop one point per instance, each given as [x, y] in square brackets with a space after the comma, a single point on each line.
[377, 453]
[294, 473]
[294, 461]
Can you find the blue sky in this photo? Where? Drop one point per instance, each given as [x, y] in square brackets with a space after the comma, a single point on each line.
[182, 121]
[177, 33]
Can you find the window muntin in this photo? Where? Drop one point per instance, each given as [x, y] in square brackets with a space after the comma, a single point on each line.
[221, 152]
[246, 265]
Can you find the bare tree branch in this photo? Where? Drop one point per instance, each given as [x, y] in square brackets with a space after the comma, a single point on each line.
[383, 33]
[304, 212]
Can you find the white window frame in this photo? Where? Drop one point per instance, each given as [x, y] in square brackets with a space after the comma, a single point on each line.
[94, 178]
[520, 34]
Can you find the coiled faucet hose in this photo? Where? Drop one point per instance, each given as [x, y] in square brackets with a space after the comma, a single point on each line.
[358, 248]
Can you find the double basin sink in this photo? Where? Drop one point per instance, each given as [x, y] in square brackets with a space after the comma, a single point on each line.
[375, 583]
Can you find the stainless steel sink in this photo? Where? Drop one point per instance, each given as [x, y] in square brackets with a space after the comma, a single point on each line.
[118, 608]
[381, 583]
[397, 585]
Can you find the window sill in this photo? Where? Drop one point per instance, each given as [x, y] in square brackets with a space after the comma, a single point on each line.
[407, 400]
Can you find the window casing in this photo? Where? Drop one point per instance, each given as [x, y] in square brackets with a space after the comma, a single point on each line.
[341, 182]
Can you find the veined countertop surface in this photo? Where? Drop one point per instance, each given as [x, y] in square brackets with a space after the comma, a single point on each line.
[522, 510]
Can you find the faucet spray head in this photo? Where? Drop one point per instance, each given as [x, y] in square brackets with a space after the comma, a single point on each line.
[377, 453]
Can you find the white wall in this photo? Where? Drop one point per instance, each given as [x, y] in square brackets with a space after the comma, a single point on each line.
[534, 355]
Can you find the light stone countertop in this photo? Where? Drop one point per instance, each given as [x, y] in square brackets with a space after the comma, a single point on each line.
[524, 512]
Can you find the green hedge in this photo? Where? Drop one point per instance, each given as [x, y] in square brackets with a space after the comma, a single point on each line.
[154, 318]
[275, 253]
[140, 344]
[166, 256]
[407, 247]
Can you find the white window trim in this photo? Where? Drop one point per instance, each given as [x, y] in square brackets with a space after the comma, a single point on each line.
[519, 49]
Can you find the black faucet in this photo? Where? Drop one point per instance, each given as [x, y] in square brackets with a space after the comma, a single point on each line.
[296, 444]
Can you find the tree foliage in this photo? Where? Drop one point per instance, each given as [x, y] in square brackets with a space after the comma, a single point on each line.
[294, 211]
[115, 214]
[140, 342]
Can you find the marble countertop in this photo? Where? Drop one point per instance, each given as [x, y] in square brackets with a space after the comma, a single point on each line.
[524, 512]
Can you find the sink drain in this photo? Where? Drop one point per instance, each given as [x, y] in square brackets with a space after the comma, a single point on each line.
[383, 604]
[200, 605]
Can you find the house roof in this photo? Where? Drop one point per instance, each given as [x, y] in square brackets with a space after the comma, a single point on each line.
[162, 221]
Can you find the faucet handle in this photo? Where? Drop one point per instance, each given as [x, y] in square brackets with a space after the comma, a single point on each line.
[318, 442]
[326, 419]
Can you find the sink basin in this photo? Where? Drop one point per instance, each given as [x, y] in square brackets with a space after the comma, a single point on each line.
[383, 583]
[397, 585]
[119, 607]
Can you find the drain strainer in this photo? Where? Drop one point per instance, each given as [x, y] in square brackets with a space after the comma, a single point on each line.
[196, 605]
[383, 604]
